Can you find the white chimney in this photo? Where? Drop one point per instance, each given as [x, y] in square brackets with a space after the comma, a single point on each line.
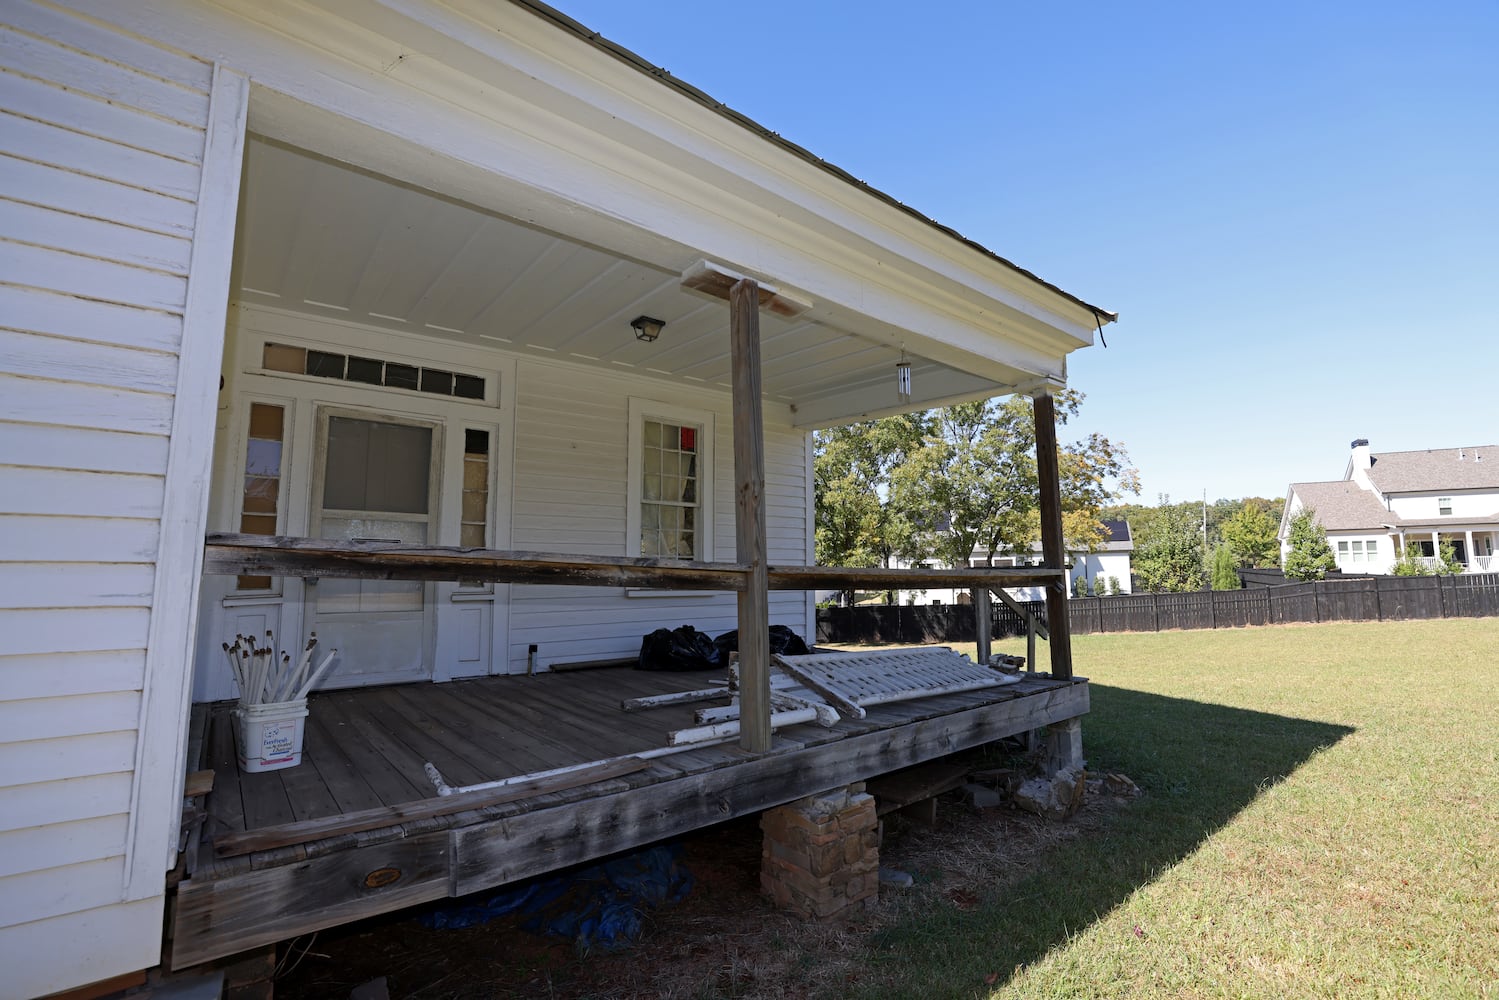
[1361, 453]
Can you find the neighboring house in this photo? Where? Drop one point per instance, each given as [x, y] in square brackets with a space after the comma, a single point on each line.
[367, 273]
[1110, 560]
[1389, 501]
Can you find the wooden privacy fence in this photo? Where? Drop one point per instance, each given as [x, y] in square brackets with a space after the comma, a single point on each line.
[1370, 598]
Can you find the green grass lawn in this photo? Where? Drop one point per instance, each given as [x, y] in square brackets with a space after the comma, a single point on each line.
[1320, 819]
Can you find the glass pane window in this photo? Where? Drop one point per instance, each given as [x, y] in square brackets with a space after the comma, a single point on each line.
[260, 495]
[371, 371]
[1444, 505]
[475, 489]
[669, 490]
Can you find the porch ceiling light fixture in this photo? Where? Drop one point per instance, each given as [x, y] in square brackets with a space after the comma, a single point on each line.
[646, 328]
[903, 377]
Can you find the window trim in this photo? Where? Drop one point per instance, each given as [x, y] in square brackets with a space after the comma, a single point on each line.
[1444, 506]
[641, 410]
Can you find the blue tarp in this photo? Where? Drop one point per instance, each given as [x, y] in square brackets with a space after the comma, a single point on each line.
[602, 906]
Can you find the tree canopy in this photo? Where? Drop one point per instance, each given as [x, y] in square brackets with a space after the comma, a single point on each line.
[1168, 548]
[939, 486]
[1251, 535]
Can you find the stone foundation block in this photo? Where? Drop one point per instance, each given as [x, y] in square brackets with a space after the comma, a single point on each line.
[821, 857]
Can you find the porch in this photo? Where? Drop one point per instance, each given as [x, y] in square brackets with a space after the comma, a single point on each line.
[282, 853]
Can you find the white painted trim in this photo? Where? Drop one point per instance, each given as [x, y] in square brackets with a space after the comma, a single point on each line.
[811, 560]
[523, 119]
[161, 745]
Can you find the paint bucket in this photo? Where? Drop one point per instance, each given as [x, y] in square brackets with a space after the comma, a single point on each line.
[270, 736]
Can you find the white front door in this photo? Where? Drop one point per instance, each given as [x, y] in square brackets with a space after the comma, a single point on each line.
[376, 478]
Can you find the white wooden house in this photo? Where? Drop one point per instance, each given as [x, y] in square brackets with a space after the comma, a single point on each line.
[1389, 501]
[367, 272]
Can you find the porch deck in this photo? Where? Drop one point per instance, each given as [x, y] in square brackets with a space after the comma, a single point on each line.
[365, 749]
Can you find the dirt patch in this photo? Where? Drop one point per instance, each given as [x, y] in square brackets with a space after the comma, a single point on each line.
[724, 940]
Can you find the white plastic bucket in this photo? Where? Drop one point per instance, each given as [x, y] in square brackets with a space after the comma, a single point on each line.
[270, 736]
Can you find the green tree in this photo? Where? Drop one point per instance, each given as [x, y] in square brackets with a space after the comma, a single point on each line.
[972, 485]
[1225, 569]
[1411, 563]
[1309, 557]
[1447, 562]
[1080, 586]
[1168, 552]
[1251, 534]
[855, 523]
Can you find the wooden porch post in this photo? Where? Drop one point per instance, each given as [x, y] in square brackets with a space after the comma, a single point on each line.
[983, 624]
[749, 517]
[1053, 547]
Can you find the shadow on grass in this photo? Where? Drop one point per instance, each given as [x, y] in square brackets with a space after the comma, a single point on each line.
[1199, 765]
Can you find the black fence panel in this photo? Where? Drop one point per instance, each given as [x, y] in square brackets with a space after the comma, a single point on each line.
[1376, 598]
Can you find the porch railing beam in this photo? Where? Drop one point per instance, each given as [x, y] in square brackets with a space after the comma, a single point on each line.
[876, 578]
[261, 555]
[1053, 547]
[749, 517]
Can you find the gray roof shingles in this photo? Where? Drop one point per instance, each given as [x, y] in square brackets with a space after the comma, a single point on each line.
[1435, 470]
[1344, 506]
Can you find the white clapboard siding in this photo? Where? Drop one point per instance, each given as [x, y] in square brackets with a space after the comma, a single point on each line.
[71, 404]
[77, 539]
[66, 757]
[32, 310]
[83, 361]
[102, 138]
[42, 226]
[73, 630]
[65, 800]
[41, 847]
[86, 73]
[51, 892]
[101, 942]
[56, 674]
[87, 154]
[72, 715]
[60, 271]
[75, 585]
[70, 493]
[91, 116]
[50, 447]
[571, 464]
[54, 187]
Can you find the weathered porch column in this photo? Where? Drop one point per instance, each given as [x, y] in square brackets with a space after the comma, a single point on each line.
[1053, 546]
[749, 517]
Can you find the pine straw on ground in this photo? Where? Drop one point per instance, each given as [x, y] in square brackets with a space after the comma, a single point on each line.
[724, 940]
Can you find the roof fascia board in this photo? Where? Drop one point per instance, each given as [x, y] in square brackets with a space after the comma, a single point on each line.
[652, 123]
[371, 85]
[534, 43]
[871, 402]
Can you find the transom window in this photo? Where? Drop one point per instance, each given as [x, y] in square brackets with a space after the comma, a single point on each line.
[671, 466]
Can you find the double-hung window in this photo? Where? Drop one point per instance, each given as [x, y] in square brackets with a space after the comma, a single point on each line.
[671, 482]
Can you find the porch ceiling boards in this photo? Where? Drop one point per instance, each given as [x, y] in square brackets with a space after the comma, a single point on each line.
[325, 239]
[365, 748]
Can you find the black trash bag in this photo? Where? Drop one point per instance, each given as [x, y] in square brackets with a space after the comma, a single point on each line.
[782, 641]
[683, 648]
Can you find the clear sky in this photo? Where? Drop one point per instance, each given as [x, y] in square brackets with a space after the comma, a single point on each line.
[1294, 207]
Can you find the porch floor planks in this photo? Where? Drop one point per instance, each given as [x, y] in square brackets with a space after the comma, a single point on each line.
[426, 738]
[507, 749]
[365, 747]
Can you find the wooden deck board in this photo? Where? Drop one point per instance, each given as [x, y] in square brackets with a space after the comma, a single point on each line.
[365, 748]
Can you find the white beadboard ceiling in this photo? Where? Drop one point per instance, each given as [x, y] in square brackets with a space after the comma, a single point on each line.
[321, 238]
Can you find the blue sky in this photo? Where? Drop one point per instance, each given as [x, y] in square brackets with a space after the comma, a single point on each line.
[1293, 207]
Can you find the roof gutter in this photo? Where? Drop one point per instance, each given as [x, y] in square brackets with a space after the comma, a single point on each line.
[624, 55]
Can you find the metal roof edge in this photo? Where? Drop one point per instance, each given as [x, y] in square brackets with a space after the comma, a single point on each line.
[582, 31]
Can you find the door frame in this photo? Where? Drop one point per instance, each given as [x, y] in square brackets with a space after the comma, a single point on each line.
[322, 415]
